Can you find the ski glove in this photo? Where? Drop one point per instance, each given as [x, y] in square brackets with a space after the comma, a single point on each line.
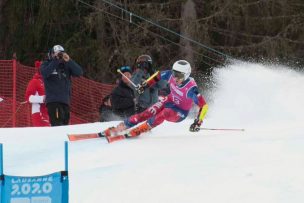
[195, 126]
[141, 87]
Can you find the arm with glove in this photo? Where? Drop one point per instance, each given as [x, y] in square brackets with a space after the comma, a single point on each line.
[34, 93]
[200, 101]
[140, 88]
[195, 126]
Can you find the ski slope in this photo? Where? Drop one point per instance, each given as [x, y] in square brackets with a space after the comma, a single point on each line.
[170, 164]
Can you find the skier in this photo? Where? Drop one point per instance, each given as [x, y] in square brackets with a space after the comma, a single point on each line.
[35, 95]
[174, 107]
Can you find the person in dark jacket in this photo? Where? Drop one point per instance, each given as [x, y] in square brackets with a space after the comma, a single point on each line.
[105, 110]
[143, 70]
[57, 71]
[122, 96]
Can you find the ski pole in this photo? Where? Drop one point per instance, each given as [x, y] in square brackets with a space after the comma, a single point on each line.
[150, 78]
[224, 129]
[135, 99]
[127, 78]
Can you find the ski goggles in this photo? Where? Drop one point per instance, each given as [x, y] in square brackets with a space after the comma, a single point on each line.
[143, 65]
[178, 75]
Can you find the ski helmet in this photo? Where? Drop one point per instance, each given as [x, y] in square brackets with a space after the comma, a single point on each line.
[145, 62]
[181, 69]
[143, 58]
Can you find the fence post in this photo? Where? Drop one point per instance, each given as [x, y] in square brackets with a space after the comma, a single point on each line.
[14, 91]
[1, 159]
[66, 156]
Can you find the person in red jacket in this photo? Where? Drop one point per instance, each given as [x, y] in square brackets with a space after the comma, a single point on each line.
[35, 95]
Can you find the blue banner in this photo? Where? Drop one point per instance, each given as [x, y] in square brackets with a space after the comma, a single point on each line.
[52, 188]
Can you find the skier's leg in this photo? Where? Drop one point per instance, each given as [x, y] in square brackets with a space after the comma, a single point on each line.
[143, 116]
[169, 114]
[134, 120]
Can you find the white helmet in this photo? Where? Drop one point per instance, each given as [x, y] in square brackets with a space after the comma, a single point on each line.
[181, 69]
[57, 49]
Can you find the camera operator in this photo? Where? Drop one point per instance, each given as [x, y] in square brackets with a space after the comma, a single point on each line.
[143, 69]
[57, 71]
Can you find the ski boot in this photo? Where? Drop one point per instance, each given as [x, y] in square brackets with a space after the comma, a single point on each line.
[132, 133]
[108, 132]
[112, 134]
[145, 127]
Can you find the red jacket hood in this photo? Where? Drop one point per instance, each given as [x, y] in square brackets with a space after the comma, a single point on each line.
[37, 76]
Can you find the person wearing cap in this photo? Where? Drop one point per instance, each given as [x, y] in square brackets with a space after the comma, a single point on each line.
[57, 71]
[35, 95]
[122, 97]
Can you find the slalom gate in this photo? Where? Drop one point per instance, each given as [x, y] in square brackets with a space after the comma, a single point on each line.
[51, 188]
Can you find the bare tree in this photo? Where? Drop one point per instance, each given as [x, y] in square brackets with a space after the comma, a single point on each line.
[2, 4]
[188, 17]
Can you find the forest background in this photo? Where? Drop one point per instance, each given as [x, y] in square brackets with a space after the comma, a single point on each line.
[102, 35]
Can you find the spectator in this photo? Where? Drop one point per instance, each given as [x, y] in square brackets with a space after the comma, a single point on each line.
[143, 70]
[122, 96]
[105, 110]
[57, 71]
[35, 95]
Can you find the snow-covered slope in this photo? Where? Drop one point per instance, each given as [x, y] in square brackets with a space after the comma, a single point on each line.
[263, 164]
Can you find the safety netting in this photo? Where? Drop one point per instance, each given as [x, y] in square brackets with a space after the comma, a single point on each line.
[87, 96]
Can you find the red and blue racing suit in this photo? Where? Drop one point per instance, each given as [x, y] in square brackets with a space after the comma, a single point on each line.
[174, 107]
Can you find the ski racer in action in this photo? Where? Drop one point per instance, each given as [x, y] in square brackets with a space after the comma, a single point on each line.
[173, 108]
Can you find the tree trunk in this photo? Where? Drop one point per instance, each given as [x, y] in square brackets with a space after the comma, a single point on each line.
[2, 4]
[188, 17]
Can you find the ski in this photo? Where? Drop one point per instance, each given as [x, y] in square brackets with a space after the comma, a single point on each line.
[129, 133]
[111, 134]
[114, 138]
[76, 137]
[122, 136]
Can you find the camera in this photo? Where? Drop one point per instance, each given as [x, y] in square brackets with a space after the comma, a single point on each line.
[60, 55]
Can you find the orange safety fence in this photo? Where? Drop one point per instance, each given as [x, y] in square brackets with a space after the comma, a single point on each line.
[87, 96]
